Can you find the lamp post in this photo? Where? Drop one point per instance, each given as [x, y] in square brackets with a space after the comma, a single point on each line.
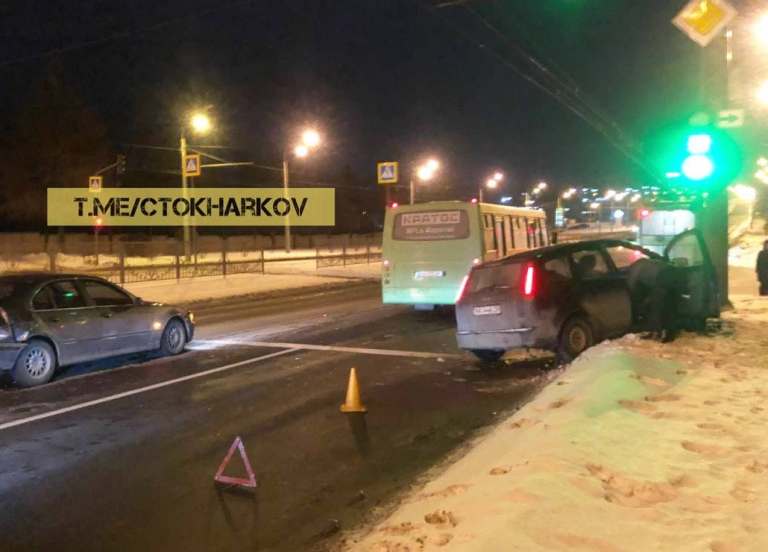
[425, 171]
[491, 183]
[200, 123]
[310, 139]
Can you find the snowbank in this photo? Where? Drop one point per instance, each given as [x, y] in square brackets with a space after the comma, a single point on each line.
[637, 446]
[216, 287]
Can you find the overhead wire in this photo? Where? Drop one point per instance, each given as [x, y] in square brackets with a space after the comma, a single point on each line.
[569, 95]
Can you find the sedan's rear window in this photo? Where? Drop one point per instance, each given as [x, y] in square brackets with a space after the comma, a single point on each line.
[506, 275]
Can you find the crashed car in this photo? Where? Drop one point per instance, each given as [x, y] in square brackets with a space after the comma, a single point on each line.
[53, 320]
[567, 297]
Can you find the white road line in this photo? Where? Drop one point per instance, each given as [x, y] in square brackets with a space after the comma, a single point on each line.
[152, 387]
[311, 347]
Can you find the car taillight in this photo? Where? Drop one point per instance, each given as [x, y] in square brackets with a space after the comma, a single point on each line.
[462, 288]
[528, 283]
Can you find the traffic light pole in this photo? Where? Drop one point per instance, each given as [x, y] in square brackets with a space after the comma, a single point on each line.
[714, 226]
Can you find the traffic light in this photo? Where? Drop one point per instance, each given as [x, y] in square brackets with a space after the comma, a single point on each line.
[698, 157]
[698, 165]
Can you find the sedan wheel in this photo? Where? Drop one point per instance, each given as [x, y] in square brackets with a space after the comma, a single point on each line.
[174, 338]
[35, 365]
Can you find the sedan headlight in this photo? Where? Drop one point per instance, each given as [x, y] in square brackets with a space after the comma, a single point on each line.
[191, 316]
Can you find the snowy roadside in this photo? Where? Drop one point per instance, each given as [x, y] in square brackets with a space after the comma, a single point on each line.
[217, 287]
[637, 446]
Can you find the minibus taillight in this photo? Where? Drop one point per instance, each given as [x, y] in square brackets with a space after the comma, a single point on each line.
[528, 282]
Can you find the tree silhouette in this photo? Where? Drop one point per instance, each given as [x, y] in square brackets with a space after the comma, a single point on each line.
[58, 140]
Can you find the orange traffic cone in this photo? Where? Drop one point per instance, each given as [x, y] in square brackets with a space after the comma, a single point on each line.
[353, 403]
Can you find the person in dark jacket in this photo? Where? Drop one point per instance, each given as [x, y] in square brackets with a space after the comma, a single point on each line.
[762, 269]
[655, 289]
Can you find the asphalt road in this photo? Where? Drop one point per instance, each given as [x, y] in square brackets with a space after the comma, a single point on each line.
[121, 455]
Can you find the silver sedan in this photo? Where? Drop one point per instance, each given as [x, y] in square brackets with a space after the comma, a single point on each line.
[53, 320]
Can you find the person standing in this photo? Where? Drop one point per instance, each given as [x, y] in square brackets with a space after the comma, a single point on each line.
[762, 269]
[654, 286]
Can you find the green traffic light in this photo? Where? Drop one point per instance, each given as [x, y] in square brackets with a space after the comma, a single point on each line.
[699, 143]
[698, 167]
[699, 157]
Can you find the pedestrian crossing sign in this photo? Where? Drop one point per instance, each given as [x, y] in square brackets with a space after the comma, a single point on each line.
[387, 172]
[94, 184]
[192, 164]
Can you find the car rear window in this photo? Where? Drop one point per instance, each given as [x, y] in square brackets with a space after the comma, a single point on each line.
[507, 275]
[446, 224]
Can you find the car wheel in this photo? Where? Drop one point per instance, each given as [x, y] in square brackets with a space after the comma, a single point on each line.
[174, 338]
[35, 364]
[575, 338]
[488, 355]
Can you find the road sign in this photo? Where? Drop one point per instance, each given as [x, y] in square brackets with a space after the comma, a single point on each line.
[192, 164]
[702, 20]
[387, 172]
[94, 183]
[730, 118]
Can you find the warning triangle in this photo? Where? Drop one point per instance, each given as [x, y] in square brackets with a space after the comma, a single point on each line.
[192, 164]
[250, 482]
[386, 172]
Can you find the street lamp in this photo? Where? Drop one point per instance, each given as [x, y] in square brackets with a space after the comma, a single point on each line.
[491, 183]
[200, 124]
[760, 30]
[425, 171]
[762, 93]
[310, 139]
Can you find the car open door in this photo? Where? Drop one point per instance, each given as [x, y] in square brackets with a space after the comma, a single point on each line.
[699, 290]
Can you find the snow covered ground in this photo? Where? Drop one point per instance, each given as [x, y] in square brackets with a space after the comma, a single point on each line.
[280, 278]
[637, 446]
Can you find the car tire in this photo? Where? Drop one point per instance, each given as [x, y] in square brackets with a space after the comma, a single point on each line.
[575, 338]
[174, 338]
[488, 355]
[35, 364]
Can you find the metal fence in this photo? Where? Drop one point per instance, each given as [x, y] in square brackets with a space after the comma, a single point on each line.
[119, 270]
[349, 258]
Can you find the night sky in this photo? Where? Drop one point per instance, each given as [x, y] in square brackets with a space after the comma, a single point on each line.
[383, 80]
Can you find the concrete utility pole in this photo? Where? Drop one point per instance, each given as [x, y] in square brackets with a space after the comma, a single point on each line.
[287, 226]
[184, 193]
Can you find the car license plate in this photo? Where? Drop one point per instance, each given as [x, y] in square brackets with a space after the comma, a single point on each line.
[488, 309]
[422, 274]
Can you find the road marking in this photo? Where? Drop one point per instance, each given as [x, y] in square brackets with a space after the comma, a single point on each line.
[152, 387]
[213, 343]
